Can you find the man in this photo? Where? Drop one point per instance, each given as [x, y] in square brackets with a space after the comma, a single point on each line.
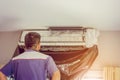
[32, 64]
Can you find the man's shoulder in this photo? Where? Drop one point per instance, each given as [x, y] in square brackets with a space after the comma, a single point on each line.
[31, 55]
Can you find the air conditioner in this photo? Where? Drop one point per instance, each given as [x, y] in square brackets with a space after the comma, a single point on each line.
[64, 36]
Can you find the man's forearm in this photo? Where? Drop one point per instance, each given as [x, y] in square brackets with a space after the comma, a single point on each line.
[2, 76]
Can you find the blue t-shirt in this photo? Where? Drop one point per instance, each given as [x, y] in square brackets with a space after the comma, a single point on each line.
[30, 65]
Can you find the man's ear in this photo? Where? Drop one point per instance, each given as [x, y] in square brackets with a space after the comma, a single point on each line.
[38, 46]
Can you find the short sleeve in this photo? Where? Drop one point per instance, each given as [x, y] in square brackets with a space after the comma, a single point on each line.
[51, 66]
[7, 69]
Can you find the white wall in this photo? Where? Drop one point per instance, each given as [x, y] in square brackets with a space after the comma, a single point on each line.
[8, 43]
[109, 54]
[109, 49]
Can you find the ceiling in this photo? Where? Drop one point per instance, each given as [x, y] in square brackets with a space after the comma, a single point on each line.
[29, 14]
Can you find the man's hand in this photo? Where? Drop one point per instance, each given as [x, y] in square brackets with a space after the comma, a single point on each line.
[56, 75]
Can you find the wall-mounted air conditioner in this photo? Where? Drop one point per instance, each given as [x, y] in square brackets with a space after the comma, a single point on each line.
[64, 36]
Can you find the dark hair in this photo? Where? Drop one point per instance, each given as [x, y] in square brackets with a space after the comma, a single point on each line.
[31, 39]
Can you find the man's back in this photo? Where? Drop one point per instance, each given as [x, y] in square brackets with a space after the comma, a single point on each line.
[31, 65]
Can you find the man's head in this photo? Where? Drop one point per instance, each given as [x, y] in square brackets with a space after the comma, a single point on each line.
[32, 41]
